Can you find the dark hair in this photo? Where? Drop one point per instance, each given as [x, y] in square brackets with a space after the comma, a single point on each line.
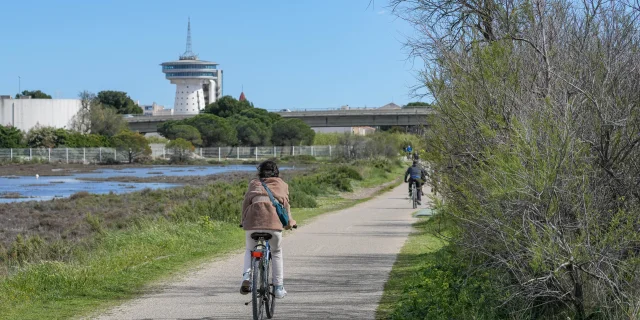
[268, 169]
[415, 162]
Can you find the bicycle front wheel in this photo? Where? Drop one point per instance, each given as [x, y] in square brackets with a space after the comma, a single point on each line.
[257, 291]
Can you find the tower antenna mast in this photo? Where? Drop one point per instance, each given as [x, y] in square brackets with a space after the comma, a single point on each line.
[188, 54]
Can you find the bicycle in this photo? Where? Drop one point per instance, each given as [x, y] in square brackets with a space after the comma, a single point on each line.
[263, 300]
[263, 291]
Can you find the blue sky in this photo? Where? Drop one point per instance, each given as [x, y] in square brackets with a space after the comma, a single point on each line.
[292, 54]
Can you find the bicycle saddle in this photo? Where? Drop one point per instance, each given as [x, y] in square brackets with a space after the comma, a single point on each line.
[258, 235]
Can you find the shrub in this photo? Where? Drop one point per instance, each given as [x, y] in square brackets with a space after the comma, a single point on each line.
[299, 199]
[301, 158]
[79, 195]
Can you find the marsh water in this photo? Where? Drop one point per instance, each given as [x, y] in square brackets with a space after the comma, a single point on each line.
[29, 188]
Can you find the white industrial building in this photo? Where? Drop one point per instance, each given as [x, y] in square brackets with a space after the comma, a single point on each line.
[26, 113]
[198, 82]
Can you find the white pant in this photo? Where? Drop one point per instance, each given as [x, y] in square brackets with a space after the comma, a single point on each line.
[277, 262]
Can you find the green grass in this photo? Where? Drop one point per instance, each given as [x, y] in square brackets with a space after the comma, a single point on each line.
[420, 243]
[430, 280]
[118, 264]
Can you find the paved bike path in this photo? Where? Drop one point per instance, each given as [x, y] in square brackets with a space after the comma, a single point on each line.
[335, 268]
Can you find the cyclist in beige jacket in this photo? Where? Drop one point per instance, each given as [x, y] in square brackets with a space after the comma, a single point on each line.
[259, 215]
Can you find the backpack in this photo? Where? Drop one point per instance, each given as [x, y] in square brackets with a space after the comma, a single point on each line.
[283, 215]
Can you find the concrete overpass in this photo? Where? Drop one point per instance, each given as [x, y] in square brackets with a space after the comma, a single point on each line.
[316, 118]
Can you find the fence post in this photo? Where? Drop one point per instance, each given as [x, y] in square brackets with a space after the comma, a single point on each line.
[219, 160]
[49, 155]
[67, 155]
[115, 154]
[164, 154]
[200, 152]
[84, 156]
[312, 151]
[256, 153]
[100, 157]
[30, 155]
[274, 152]
[11, 154]
[238, 153]
[293, 151]
[329, 151]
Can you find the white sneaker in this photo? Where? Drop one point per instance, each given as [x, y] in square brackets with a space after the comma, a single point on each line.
[280, 292]
[245, 286]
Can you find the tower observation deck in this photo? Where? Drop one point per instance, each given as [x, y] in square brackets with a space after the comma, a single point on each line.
[198, 82]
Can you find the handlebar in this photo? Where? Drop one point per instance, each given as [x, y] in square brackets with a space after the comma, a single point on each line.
[295, 226]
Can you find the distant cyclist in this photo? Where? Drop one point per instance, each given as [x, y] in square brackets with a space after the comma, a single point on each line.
[408, 150]
[416, 174]
[259, 215]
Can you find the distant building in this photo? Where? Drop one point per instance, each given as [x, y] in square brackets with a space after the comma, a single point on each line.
[198, 82]
[156, 110]
[242, 97]
[390, 106]
[26, 113]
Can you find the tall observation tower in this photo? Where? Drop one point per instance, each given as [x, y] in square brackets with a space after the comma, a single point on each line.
[198, 82]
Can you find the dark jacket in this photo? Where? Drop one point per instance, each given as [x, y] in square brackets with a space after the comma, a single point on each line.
[415, 172]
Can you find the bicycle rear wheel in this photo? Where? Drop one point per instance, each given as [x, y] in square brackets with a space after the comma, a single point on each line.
[270, 295]
[257, 291]
[414, 195]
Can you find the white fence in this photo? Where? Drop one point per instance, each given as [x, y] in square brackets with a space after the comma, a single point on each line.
[251, 153]
[101, 155]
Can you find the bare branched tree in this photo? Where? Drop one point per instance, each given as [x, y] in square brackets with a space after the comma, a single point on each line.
[536, 145]
[81, 122]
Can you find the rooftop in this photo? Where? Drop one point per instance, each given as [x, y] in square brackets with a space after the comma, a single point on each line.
[188, 62]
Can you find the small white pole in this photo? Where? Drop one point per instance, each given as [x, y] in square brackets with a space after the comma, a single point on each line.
[238, 153]
[100, 154]
[200, 152]
[256, 153]
[115, 154]
[49, 154]
[329, 151]
[11, 156]
[274, 152]
[311, 150]
[84, 155]
[30, 155]
[293, 151]
[164, 155]
[67, 155]
[219, 156]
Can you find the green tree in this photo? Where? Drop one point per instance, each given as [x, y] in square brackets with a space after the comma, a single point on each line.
[418, 104]
[134, 143]
[291, 132]
[227, 106]
[78, 140]
[11, 137]
[262, 115]
[184, 131]
[181, 150]
[215, 131]
[119, 101]
[37, 94]
[106, 121]
[251, 132]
